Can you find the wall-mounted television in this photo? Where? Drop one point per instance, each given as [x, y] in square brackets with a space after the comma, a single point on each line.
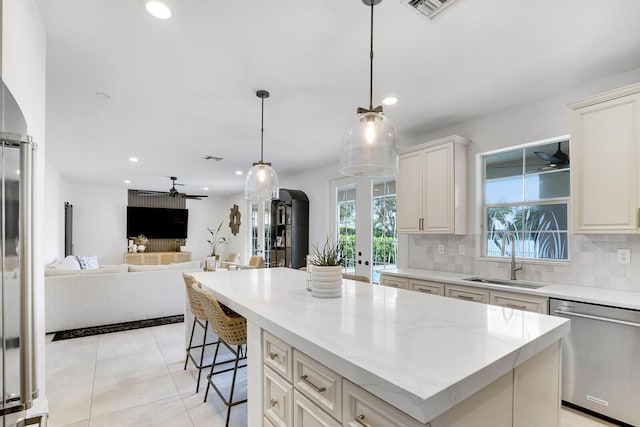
[157, 223]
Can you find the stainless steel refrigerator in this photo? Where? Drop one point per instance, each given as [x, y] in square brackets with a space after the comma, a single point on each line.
[18, 385]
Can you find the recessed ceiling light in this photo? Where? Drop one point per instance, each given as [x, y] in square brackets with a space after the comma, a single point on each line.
[238, 172]
[133, 159]
[18, 172]
[390, 100]
[126, 181]
[159, 10]
[205, 188]
[102, 95]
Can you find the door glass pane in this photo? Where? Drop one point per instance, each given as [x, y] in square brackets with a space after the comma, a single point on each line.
[346, 215]
[254, 230]
[266, 224]
[385, 238]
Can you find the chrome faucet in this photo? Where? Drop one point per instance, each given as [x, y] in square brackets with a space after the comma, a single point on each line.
[513, 252]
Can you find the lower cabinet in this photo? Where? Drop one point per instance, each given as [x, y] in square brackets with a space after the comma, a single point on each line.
[277, 399]
[394, 282]
[308, 414]
[467, 293]
[526, 302]
[426, 287]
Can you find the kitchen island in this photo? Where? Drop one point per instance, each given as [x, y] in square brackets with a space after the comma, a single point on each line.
[434, 361]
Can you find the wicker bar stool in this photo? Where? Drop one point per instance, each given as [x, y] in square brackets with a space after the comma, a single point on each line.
[231, 329]
[199, 317]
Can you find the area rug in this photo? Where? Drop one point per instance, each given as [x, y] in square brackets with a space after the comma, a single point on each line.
[116, 327]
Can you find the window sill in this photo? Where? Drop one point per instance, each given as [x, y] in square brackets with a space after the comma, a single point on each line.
[529, 261]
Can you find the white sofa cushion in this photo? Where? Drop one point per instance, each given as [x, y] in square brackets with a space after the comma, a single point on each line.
[69, 263]
[121, 268]
[88, 262]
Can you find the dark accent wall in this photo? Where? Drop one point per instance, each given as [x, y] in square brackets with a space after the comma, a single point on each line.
[158, 201]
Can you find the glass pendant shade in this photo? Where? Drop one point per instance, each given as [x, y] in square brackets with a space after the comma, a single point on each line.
[261, 183]
[370, 148]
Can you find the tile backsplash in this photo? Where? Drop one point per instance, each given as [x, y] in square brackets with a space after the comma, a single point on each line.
[593, 260]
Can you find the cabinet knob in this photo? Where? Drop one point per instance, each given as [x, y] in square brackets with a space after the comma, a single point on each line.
[273, 356]
[273, 403]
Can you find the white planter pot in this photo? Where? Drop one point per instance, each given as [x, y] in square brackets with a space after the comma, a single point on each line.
[141, 248]
[326, 281]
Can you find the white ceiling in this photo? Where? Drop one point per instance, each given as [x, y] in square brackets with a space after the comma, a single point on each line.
[184, 88]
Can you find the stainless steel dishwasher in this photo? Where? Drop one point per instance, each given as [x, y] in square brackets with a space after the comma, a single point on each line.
[601, 359]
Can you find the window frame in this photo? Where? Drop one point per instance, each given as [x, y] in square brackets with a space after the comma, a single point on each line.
[484, 206]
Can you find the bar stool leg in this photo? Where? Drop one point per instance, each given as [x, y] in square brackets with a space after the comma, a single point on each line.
[193, 328]
[204, 340]
[233, 385]
[213, 365]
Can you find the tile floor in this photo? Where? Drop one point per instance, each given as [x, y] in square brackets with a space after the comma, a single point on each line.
[132, 378]
[135, 378]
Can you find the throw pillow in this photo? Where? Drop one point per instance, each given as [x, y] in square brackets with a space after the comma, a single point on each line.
[89, 262]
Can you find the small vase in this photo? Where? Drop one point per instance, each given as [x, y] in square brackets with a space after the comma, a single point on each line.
[141, 248]
[326, 281]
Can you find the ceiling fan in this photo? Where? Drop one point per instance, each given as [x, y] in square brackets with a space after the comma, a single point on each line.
[557, 160]
[173, 192]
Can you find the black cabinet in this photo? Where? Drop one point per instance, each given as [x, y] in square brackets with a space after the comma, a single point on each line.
[289, 229]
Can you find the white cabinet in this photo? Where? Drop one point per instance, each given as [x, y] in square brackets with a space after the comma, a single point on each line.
[604, 162]
[394, 281]
[432, 187]
[534, 303]
[426, 287]
[277, 399]
[467, 293]
[308, 414]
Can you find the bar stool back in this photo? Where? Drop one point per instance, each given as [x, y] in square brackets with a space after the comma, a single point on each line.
[199, 316]
[231, 329]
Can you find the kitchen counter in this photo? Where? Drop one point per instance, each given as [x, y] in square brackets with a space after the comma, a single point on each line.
[423, 354]
[611, 297]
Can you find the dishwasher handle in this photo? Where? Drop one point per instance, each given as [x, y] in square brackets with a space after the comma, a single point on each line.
[602, 319]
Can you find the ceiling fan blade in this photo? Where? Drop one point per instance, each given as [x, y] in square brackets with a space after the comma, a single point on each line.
[547, 157]
[194, 196]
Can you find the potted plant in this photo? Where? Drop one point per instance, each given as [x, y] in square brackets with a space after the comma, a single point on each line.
[141, 241]
[216, 241]
[325, 270]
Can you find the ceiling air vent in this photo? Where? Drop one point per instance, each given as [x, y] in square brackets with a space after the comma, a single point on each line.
[429, 8]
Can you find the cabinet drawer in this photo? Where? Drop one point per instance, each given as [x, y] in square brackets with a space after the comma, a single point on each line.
[277, 399]
[266, 422]
[308, 414]
[318, 383]
[394, 282]
[427, 287]
[361, 408]
[278, 355]
[525, 302]
[467, 293]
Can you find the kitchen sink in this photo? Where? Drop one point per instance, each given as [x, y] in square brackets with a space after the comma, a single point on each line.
[511, 283]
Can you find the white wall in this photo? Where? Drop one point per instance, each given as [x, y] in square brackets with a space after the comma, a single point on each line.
[54, 218]
[23, 71]
[203, 214]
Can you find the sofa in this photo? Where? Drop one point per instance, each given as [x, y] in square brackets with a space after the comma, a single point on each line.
[113, 294]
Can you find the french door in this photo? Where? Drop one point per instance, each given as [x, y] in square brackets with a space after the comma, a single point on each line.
[365, 224]
[261, 230]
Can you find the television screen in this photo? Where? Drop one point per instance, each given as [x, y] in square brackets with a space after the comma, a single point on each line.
[157, 223]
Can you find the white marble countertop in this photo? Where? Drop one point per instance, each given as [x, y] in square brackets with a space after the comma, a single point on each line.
[423, 354]
[611, 297]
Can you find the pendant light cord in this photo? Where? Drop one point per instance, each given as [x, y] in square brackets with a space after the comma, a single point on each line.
[371, 64]
[262, 133]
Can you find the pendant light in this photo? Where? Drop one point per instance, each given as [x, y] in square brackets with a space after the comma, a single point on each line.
[262, 179]
[369, 147]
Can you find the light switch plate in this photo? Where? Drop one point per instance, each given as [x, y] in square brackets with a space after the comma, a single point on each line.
[624, 256]
[441, 249]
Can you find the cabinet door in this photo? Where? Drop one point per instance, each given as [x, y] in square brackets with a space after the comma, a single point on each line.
[604, 166]
[427, 287]
[467, 293]
[360, 408]
[277, 399]
[518, 301]
[308, 414]
[437, 189]
[409, 193]
[394, 282]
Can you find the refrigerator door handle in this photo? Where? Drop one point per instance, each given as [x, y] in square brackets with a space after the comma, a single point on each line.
[28, 348]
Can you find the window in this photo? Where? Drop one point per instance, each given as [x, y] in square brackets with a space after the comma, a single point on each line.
[526, 193]
[385, 237]
[346, 211]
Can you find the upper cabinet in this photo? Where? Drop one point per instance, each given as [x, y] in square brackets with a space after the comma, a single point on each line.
[432, 187]
[605, 184]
